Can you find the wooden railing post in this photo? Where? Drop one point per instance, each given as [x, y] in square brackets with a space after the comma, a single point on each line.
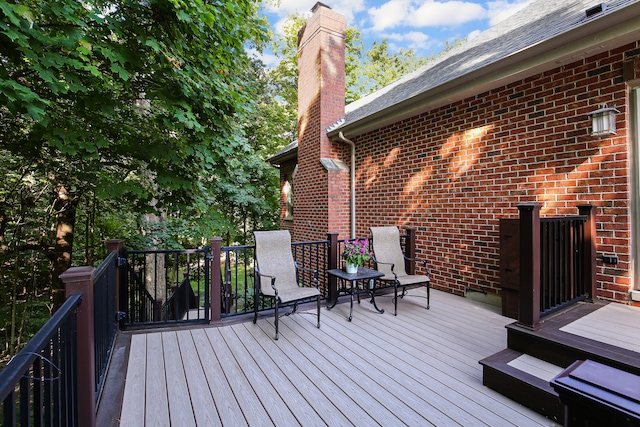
[215, 296]
[410, 250]
[80, 280]
[589, 249]
[332, 262]
[529, 315]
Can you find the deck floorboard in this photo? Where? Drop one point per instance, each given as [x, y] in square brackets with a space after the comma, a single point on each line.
[418, 368]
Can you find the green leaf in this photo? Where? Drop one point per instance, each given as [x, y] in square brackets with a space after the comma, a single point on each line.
[152, 43]
[122, 73]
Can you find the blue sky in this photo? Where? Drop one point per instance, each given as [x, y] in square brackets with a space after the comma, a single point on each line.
[423, 25]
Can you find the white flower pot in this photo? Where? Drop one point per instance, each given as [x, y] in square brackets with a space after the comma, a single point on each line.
[351, 269]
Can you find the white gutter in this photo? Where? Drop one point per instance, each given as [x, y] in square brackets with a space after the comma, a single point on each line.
[352, 168]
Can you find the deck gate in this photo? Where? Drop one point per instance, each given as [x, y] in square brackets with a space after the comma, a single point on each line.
[164, 287]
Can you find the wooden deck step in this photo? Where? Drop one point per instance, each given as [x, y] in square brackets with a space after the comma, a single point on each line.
[523, 371]
[524, 379]
[563, 339]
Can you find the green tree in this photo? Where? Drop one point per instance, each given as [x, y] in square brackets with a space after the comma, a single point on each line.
[135, 101]
[381, 67]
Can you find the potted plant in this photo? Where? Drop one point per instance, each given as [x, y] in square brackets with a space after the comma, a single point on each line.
[355, 254]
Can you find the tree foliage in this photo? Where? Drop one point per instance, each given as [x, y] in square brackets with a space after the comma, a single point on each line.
[112, 109]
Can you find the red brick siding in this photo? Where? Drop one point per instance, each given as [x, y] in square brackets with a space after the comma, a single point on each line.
[455, 171]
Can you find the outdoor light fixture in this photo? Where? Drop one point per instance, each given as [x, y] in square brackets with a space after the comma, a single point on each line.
[603, 121]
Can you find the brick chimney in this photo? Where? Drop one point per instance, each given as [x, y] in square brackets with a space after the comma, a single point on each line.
[321, 187]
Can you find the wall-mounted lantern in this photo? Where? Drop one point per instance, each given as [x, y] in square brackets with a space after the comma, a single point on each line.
[603, 121]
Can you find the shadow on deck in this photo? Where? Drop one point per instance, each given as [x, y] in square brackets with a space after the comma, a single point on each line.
[419, 368]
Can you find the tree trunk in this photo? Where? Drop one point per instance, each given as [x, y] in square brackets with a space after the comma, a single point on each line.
[155, 274]
[64, 206]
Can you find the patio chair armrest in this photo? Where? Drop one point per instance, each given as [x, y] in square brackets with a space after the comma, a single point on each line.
[423, 261]
[375, 260]
[273, 279]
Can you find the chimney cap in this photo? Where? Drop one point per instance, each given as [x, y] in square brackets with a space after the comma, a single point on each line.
[318, 5]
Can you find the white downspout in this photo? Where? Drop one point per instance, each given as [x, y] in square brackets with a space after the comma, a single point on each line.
[353, 183]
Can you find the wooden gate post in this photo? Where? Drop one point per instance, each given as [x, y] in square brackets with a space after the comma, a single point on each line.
[216, 284]
[589, 250]
[529, 315]
[80, 280]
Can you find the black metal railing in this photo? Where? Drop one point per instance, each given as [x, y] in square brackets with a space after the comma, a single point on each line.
[556, 261]
[314, 256]
[154, 277]
[561, 268]
[150, 294]
[238, 281]
[105, 316]
[39, 385]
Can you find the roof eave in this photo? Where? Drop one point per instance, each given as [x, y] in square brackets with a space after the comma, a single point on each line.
[601, 34]
[278, 159]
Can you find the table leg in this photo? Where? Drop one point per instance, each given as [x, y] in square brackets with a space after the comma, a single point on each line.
[373, 301]
[351, 302]
[334, 297]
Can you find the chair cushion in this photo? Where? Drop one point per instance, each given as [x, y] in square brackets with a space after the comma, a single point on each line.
[292, 294]
[413, 279]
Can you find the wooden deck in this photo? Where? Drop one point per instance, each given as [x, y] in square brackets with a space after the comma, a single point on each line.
[419, 368]
[598, 326]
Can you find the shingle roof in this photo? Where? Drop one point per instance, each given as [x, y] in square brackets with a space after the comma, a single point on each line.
[287, 153]
[540, 21]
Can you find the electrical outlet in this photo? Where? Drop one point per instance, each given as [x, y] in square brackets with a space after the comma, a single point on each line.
[610, 259]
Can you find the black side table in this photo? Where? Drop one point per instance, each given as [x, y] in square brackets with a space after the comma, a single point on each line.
[363, 274]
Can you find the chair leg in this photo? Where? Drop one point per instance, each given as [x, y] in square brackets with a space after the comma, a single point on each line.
[395, 300]
[428, 293]
[318, 310]
[276, 318]
[255, 308]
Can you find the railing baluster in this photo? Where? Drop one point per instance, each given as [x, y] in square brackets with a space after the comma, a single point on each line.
[9, 410]
[25, 400]
[48, 385]
[561, 270]
[37, 393]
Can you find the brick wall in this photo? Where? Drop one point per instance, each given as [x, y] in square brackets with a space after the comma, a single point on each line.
[455, 171]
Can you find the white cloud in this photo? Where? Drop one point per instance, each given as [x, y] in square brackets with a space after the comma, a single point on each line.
[390, 14]
[499, 10]
[450, 13]
[473, 34]
[425, 13]
[412, 40]
[416, 37]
